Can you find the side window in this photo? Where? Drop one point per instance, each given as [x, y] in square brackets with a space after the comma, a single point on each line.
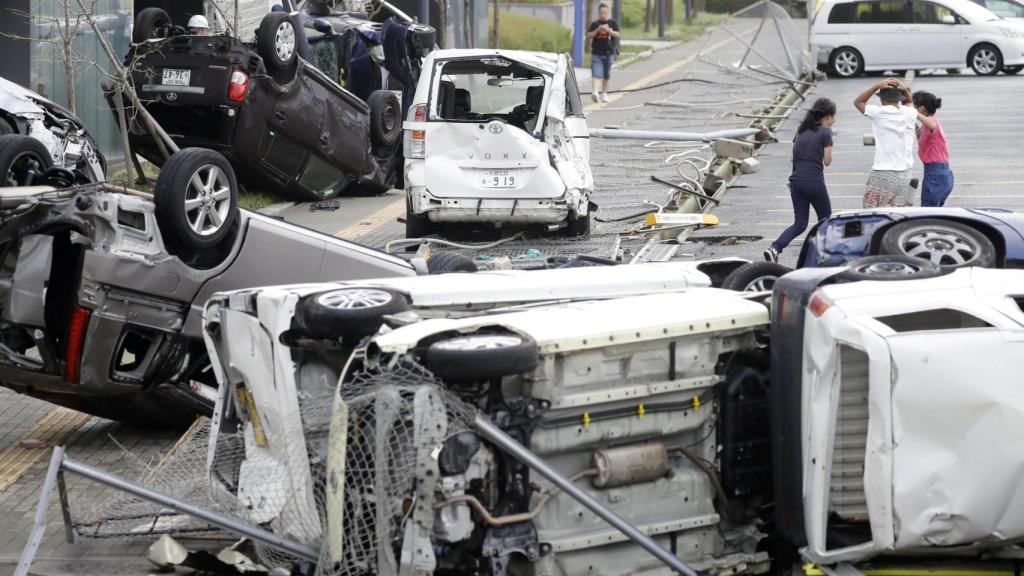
[928, 13]
[890, 12]
[573, 106]
[841, 13]
[1005, 8]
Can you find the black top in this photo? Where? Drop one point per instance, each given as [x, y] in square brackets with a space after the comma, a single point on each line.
[602, 43]
[809, 153]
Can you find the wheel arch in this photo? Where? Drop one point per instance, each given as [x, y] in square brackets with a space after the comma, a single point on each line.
[978, 44]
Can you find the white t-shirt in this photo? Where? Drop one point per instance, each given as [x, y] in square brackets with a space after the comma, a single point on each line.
[893, 127]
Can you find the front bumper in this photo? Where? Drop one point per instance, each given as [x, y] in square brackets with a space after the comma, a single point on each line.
[512, 210]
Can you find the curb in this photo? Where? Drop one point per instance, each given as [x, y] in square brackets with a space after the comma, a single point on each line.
[276, 209]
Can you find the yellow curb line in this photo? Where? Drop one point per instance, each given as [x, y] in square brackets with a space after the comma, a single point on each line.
[54, 429]
[386, 214]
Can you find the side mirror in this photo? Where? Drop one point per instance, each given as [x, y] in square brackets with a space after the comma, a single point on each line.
[949, 19]
[323, 26]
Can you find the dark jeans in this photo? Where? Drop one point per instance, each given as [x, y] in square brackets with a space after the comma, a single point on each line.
[936, 184]
[805, 193]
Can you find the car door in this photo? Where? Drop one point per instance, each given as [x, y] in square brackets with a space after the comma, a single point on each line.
[937, 35]
[879, 32]
[562, 131]
[575, 121]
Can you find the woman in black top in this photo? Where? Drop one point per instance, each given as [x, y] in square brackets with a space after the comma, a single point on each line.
[812, 151]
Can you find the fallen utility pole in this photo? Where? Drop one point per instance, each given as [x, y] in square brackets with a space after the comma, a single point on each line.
[615, 134]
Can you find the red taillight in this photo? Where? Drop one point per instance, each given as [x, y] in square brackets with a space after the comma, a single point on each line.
[419, 113]
[76, 338]
[238, 86]
[819, 305]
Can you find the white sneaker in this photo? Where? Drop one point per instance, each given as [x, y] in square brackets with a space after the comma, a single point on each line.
[595, 97]
[604, 96]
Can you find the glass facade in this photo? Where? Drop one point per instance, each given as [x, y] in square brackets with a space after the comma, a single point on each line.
[91, 66]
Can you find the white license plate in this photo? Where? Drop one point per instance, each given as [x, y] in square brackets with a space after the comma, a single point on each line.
[174, 77]
[499, 179]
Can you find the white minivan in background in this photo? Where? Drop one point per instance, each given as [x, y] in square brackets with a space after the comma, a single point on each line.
[852, 37]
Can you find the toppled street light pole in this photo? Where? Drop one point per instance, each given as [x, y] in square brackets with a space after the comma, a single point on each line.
[615, 134]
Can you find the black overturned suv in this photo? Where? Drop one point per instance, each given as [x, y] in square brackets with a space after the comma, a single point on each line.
[277, 108]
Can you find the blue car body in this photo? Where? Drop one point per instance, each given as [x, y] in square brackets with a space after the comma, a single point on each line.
[850, 235]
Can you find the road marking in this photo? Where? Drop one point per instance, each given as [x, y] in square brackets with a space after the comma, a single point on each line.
[379, 218]
[654, 76]
[54, 428]
[969, 197]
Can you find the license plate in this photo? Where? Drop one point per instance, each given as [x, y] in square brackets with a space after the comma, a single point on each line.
[499, 179]
[174, 77]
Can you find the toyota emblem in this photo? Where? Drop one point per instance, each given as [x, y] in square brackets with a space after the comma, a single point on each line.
[495, 128]
[171, 96]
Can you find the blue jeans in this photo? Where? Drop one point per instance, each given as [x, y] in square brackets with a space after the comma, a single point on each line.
[805, 194]
[601, 65]
[936, 184]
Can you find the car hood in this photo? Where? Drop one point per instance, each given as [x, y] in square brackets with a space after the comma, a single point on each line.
[18, 100]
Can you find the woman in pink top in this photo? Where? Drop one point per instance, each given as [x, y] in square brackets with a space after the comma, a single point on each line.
[931, 147]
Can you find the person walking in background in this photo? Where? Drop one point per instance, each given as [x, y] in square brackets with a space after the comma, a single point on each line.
[933, 151]
[893, 125]
[603, 34]
[812, 151]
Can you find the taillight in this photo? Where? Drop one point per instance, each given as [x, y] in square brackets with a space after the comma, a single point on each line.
[238, 86]
[819, 305]
[76, 338]
[416, 140]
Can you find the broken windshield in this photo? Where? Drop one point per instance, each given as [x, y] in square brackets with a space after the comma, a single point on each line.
[481, 90]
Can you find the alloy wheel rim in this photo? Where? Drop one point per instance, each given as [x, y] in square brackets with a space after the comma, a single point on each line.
[207, 200]
[889, 269]
[942, 246]
[480, 342]
[761, 284]
[284, 41]
[354, 299]
[846, 63]
[985, 60]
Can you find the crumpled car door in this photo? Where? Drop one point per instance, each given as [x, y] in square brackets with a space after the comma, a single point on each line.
[571, 157]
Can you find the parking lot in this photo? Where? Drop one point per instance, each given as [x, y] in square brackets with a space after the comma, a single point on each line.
[978, 115]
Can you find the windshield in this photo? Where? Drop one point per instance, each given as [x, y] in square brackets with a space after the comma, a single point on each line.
[475, 90]
[975, 13]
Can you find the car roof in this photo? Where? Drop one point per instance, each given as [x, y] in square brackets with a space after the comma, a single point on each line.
[545, 61]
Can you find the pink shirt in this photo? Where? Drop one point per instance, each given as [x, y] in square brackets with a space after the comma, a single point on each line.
[931, 146]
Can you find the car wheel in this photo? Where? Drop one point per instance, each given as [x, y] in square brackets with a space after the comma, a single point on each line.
[890, 267]
[23, 160]
[151, 23]
[942, 242]
[846, 62]
[1012, 70]
[755, 277]
[578, 226]
[482, 356]
[385, 119]
[196, 198]
[447, 262]
[349, 313]
[985, 60]
[276, 41]
[424, 39]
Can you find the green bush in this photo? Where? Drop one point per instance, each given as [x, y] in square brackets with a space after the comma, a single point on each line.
[521, 32]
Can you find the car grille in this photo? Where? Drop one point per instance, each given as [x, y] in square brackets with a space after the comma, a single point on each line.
[846, 490]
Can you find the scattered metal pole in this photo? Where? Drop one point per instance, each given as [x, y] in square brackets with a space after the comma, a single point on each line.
[39, 527]
[750, 46]
[757, 33]
[614, 134]
[661, 18]
[235, 28]
[685, 190]
[579, 32]
[123, 121]
[794, 64]
[498, 436]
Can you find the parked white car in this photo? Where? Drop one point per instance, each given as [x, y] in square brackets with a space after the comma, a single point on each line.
[852, 37]
[1005, 8]
[497, 137]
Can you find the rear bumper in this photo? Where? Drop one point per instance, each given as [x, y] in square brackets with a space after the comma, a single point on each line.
[512, 210]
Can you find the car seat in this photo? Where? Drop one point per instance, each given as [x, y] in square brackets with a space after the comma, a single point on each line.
[462, 104]
[446, 99]
[534, 99]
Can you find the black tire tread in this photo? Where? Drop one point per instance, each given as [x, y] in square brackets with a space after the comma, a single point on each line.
[738, 279]
[928, 270]
[380, 137]
[986, 257]
[448, 262]
[266, 36]
[473, 365]
[168, 198]
[14, 145]
[331, 323]
[148, 19]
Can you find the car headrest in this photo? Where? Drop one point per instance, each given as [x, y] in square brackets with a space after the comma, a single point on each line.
[317, 8]
[463, 102]
[534, 96]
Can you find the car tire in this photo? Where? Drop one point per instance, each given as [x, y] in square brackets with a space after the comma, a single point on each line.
[277, 41]
[349, 313]
[385, 119]
[942, 242]
[481, 356]
[578, 226]
[424, 39]
[23, 161]
[845, 62]
[985, 60]
[417, 225]
[448, 262]
[1012, 70]
[755, 277]
[150, 24]
[889, 267]
[196, 200]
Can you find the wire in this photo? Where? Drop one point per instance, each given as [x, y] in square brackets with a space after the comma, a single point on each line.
[449, 243]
